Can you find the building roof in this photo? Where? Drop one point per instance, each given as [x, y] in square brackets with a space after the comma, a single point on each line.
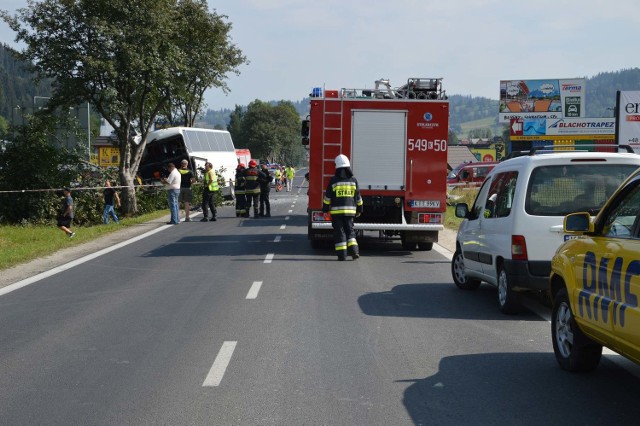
[457, 154]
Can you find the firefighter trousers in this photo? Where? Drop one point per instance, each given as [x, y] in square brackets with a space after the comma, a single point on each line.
[253, 199]
[344, 235]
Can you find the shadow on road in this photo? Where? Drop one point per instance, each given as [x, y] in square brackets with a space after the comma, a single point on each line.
[521, 389]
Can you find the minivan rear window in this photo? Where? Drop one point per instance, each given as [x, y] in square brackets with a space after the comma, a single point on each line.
[562, 189]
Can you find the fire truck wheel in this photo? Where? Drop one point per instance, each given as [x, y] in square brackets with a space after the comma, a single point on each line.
[410, 246]
[425, 246]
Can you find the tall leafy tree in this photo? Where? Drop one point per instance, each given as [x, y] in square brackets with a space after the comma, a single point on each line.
[205, 39]
[127, 58]
[271, 132]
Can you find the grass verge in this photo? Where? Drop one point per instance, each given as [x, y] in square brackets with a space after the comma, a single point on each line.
[19, 244]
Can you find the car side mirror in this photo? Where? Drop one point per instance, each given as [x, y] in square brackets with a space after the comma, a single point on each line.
[577, 222]
[462, 210]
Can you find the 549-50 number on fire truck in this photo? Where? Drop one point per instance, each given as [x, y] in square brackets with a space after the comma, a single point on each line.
[426, 145]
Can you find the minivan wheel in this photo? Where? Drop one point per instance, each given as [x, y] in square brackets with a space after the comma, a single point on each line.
[508, 300]
[459, 275]
[574, 351]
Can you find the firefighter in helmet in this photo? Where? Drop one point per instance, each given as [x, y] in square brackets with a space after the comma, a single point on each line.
[253, 176]
[342, 199]
[239, 191]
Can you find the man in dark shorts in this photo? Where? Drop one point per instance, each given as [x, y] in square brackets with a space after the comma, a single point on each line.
[186, 195]
[66, 214]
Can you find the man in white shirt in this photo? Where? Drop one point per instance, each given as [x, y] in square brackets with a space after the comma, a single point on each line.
[172, 183]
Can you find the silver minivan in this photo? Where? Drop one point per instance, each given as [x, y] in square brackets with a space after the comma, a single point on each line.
[510, 233]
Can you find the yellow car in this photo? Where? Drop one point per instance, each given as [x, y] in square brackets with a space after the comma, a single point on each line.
[595, 282]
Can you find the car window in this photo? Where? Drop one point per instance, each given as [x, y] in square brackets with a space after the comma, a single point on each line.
[480, 201]
[625, 214]
[482, 172]
[501, 192]
[562, 189]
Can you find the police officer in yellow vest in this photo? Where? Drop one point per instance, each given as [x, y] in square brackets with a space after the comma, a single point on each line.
[209, 193]
[342, 198]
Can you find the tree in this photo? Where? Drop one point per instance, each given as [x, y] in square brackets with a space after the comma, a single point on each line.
[271, 132]
[127, 58]
[204, 36]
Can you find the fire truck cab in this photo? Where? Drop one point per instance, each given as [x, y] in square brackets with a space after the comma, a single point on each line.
[396, 140]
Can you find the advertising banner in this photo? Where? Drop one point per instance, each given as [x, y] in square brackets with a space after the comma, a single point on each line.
[628, 113]
[572, 128]
[109, 157]
[553, 99]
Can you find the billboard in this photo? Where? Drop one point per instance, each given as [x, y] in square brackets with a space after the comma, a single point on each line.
[553, 99]
[628, 114]
[571, 128]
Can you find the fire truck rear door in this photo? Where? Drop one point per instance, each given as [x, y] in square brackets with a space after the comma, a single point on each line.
[378, 141]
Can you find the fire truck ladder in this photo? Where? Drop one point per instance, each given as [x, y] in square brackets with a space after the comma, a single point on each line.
[331, 133]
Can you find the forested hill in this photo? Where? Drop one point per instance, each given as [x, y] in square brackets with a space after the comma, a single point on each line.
[17, 89]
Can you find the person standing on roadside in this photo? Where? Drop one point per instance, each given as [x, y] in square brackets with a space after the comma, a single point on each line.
[342, 199]
[265, 188]
[239, 191]
[65, 217]
[252, 188]
[186, 195]
[172, 183]
[290, 172]
[110, 195]
[209, 193]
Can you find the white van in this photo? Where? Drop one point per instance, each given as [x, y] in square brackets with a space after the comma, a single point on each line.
[514, 227]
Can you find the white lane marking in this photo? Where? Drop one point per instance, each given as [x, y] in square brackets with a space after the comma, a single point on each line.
[286, 218]
[269, 258]
[277, 238]
[293, 205]
[74, 263]
[253, 291]
[283, 226]
[220, 364]
[290, 211]
[443, 251]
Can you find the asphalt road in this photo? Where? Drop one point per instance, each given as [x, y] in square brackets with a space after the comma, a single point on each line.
[240, 322]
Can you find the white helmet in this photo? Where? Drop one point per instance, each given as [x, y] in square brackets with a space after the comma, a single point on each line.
[342, 161]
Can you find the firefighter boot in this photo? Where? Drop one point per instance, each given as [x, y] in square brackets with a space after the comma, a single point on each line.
[342, 255]
[354, 252]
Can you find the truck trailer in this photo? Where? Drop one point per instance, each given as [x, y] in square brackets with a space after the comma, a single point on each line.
[396, 140]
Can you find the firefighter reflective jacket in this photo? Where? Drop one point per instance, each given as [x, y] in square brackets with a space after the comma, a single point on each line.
[342, 197]
[239, 185]
[252, 177]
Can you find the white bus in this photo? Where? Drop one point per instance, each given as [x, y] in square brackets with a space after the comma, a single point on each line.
[197, 145]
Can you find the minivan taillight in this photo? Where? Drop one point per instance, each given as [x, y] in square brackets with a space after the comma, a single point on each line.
[518, 247]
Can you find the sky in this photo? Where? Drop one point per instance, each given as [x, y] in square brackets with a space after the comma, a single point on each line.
[295, 45]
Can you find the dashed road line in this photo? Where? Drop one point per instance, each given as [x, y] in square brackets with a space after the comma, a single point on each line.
[283, 226]
[269, 258]
[254, 290]
[220, 364]
[286, 218]
[277, 238]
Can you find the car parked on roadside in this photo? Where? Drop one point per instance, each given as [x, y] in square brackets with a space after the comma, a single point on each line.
[510, 233]
[595, 283]
[470, 174]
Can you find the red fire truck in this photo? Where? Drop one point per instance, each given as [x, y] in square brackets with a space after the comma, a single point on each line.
[396, 140]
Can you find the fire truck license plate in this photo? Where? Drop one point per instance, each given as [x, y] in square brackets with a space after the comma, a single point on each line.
[425, 203]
